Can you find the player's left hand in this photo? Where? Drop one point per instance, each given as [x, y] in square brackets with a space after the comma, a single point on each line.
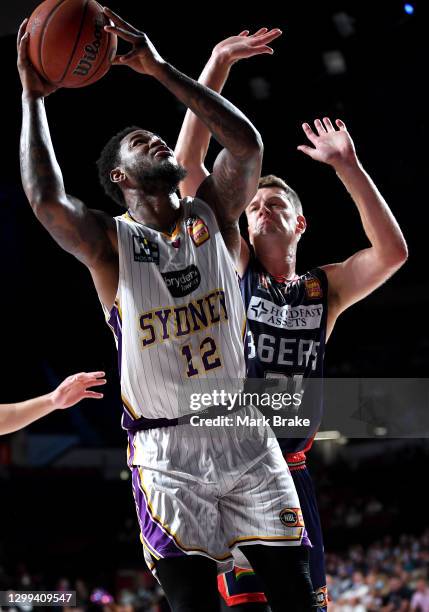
[143, 57]
[331, 146]
[245, 45]
[75, 388]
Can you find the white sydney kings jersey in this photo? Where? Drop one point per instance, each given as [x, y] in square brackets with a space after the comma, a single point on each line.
[178, 317]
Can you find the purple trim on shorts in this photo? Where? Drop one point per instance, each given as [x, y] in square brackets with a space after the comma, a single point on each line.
[153, 534]
[131, 449]
[305, 539]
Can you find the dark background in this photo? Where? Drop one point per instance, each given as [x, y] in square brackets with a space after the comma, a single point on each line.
[52, 323]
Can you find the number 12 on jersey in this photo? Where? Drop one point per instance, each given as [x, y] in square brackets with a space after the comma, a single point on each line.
[207, 353]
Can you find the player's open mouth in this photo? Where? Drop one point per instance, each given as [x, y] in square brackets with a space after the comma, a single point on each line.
[162, 152]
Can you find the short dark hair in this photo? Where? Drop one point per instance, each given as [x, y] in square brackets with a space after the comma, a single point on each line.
[274, 181]
[108, 160]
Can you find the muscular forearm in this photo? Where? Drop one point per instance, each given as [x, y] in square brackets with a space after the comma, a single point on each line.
[194, 137]
[379, 224]
[41, 175]
[228, 125]
[16, 416]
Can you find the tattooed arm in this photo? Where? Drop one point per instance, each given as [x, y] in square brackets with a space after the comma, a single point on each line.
[89, 235]
[237, 168]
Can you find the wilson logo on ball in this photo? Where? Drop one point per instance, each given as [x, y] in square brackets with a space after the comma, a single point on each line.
[91, 51]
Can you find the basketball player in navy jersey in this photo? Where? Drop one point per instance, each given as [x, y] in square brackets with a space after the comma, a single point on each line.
[164, 274]
[72, 390]
[306, 306]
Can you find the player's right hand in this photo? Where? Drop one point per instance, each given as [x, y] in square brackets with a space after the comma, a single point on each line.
[143, 57]
[239, 47]
[32, 84]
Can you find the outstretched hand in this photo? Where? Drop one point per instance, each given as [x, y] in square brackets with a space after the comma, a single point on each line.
[32, 83]
[143, 57]
[75, 388]
[331, 146]
[245, 45]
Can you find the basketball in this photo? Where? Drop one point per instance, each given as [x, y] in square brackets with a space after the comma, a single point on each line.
[68, 45]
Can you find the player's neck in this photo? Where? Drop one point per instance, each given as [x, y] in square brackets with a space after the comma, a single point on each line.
[160, 211]
[279, 262]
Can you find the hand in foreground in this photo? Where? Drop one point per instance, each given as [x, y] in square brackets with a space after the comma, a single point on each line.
[75, 388]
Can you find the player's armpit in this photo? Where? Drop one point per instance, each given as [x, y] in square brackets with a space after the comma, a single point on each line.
[229, 189]
[243, 260]
[357, 277]
[191, 183]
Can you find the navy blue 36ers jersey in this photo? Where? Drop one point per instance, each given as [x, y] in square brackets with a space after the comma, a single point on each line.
[286, 335]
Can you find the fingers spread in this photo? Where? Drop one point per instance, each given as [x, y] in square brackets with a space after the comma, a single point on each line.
[328, 125]
[21, 32]
[260, 31]
[319, 127]
[96, 382]
[119, 21]
[93, 394]
[307, 150]
[124, 34]
[309, 133]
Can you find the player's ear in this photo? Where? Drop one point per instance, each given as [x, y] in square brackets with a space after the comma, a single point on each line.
[117, 175]
[301, 225]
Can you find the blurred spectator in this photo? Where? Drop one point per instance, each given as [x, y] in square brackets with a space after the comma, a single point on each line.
[420, 599]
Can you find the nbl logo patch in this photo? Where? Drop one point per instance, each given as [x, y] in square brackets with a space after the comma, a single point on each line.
[145, 251]
[313, 288]
[291, 517]
[198, 230]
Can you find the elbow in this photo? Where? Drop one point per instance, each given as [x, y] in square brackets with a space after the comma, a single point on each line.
[401, 252]
[397, 256]
[257, 144]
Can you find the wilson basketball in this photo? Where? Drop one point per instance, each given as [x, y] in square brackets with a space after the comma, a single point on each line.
[68, 44]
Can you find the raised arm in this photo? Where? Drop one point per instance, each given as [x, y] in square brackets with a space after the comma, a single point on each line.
[236, 171]
[88, 235]
[357, 276]
[71, 391]
[194, 138]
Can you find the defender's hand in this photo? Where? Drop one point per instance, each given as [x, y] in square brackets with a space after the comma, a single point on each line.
[235, 48]
[143, 57]
[75, 388]
[32, 84]
[331, 146]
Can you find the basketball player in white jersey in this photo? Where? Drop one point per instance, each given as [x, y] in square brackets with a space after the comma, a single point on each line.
[165, 276]
[71, 391]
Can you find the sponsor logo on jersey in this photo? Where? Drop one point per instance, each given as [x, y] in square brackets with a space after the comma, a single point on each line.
[198, 230]
[289, 317]
[291, 517]
[322, 597]
[182, 282]
[145, 251]
[313, 288]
